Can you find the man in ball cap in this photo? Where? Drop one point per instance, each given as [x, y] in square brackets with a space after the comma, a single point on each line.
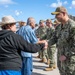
[51, 49]
[41, 31]
[64, 37]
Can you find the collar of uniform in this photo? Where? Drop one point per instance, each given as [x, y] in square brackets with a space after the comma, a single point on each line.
[66, 24]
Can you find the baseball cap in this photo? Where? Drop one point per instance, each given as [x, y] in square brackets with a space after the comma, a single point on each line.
[41, 21]
[49, 20]
[59, 9]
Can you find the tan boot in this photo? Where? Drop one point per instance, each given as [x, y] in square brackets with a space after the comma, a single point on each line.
[54, 66]
[48, 62]
[43, 60]
[48, 69]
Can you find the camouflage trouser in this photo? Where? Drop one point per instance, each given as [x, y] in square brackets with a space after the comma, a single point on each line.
[43, 54]
[40, 54]
[67, 67]
[51, 52]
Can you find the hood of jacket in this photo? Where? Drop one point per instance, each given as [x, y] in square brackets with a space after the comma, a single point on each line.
[5, 33]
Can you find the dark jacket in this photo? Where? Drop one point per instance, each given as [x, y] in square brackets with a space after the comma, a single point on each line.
[10, 44]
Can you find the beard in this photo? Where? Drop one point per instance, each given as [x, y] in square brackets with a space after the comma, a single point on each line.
[60, 20]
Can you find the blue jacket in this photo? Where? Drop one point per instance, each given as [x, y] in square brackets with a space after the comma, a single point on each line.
[28, 34]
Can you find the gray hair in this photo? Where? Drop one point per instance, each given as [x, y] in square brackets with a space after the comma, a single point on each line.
[29, 20]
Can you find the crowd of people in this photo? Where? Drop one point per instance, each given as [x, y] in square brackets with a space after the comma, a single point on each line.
[17, 46]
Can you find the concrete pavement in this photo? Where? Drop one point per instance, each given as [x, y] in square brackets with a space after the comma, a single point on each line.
[38, 67]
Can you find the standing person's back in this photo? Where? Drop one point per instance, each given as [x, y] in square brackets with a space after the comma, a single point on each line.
[10, 44]
[28, 34]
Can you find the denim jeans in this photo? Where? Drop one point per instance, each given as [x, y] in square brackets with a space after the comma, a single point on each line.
[27, 66]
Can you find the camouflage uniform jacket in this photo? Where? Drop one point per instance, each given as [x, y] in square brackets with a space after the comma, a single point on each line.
[64, 37]
[48, 35]
[41, 31]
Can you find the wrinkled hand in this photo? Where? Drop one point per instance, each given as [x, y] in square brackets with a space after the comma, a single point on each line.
[46, 44]
[62, 58]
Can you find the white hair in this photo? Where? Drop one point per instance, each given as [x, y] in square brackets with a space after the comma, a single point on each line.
[29, 20]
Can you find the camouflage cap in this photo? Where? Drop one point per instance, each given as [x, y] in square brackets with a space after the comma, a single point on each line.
[59, 9]
[49, 20]
[41, 21]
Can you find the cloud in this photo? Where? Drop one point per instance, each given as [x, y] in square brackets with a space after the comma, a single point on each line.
[73, 3]
[2, 2]
[58, 3]
[54, 5]
[65, 2]
[17, 13]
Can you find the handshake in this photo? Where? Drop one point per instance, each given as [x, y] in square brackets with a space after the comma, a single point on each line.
[45, 42]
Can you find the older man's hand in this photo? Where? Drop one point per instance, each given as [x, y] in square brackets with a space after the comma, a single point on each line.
[46, 44]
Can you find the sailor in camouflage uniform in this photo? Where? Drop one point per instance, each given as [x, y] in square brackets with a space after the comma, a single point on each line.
[51, 49]
[41, 31]
[64, 37]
